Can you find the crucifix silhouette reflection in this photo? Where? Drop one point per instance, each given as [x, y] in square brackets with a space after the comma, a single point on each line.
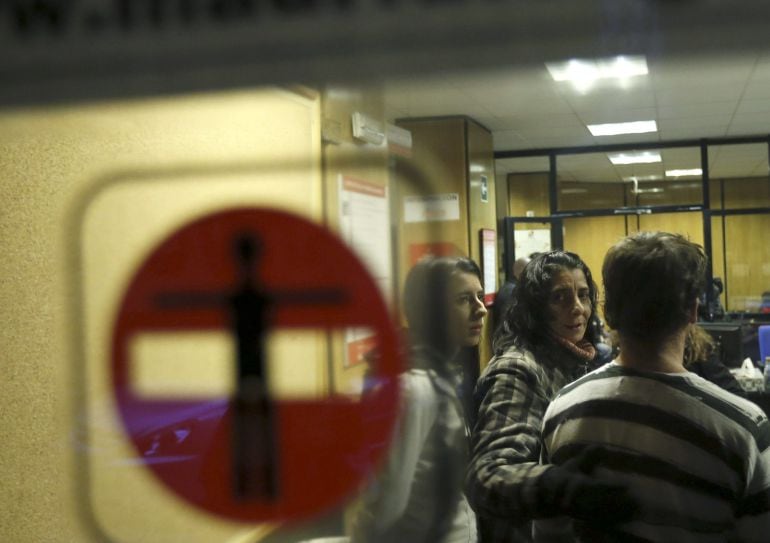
[255, 461]
[251, 307]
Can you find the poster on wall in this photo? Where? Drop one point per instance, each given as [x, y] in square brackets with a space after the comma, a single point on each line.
[365, 227]
[489, 264]
[532, 241]
[433, 207]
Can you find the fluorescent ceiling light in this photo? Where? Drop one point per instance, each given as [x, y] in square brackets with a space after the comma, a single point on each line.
[615, 129]
[631, 178]
[684, 173]
[582, 73]
[644, 157]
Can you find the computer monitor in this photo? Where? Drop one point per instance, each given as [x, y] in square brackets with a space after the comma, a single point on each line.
[729, 341]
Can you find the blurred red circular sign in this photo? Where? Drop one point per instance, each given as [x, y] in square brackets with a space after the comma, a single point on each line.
[253, 457]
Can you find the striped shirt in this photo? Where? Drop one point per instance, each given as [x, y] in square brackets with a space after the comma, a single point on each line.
[696, 457]
[511, 398]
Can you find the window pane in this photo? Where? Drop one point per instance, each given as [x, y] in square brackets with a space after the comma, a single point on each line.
[527, 184]
[588, 181]
[747, 262]
[739, 176]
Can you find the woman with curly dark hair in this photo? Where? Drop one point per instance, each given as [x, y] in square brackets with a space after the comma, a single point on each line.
[545, 342]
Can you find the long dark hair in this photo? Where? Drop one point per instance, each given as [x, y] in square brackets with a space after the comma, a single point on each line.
[425, 298]
[526, 322]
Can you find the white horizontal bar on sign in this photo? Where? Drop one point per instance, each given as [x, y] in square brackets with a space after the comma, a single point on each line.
[202, 364]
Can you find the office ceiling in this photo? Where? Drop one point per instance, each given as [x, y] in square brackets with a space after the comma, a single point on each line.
[689, 97]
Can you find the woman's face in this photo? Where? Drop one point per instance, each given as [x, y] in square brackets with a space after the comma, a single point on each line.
[466, 309]
[569, 305]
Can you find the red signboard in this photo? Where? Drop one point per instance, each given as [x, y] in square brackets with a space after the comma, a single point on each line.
[254, 457]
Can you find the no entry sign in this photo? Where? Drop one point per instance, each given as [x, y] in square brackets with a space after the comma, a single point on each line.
[255, 457]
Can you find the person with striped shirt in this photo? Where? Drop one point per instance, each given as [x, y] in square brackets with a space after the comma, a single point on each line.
[545, 342]
[695, 457]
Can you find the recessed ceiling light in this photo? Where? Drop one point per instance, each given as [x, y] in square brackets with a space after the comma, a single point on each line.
[644, 157]
[615, 129]
[684, 173]
[631, 178]
[582, 73]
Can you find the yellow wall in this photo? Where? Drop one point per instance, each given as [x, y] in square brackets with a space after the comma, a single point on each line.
[741, 193]
[481, 214]
[345, 156]
[591, 238]
[109, 181]
[439, 149]
[747, 260]
[178, 157]
[454, 153]
[528, 192]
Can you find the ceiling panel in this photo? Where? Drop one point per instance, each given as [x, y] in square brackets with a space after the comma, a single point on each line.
[697, 72]
[747, 160]
[523, 165]
[615, 102]
[748, 129]
[682, 132]
[505, 104]
[559, 140]
[752, 106]
[696, 111]
[547, 121]
[693, 123]
[703, 94]
[507, 139]
[690, 98]
[532, 131]
[607, 113]
[757, 89]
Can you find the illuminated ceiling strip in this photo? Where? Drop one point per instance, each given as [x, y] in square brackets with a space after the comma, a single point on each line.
[646, 157]
[684, 173]
[615, 129]
[582, 70]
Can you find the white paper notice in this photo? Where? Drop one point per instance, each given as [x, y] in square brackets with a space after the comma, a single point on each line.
[365, 227]
[435, 207]
[489, 263]
[532, 241]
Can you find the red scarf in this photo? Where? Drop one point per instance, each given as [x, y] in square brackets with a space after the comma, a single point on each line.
[582, 349]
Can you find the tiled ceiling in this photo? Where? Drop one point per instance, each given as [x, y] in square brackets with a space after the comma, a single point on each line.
[690, 98]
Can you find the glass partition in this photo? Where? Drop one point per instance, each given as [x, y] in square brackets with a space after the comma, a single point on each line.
[588, 181]
[527, 182]
[739, 176]
[596, 194]
[740, 198]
